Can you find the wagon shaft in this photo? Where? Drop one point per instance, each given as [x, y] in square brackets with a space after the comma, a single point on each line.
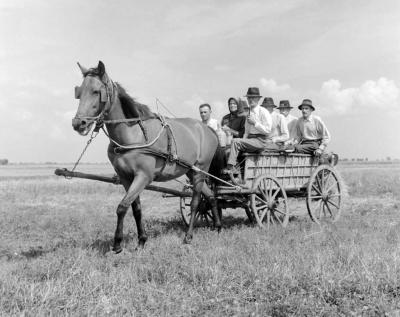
[115, 180]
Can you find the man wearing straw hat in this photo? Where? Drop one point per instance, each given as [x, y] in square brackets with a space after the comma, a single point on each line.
[257, 127]
[284, 108]
[312, 136]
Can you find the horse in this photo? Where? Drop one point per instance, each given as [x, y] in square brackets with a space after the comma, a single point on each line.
[145, 147]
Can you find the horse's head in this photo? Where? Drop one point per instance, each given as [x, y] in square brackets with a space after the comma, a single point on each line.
[95, 98]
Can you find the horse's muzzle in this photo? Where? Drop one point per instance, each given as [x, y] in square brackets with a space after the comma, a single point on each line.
[81, 126]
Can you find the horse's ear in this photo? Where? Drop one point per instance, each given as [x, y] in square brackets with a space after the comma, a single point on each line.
[83, 69]
[101, 69]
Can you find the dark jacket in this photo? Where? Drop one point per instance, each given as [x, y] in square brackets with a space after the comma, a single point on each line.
[235, 122]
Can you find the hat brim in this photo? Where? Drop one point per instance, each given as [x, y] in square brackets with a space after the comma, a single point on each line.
[255, 96]
[285, 107]
[312, 107]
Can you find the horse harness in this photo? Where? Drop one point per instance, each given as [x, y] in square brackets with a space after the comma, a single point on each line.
[107, 98]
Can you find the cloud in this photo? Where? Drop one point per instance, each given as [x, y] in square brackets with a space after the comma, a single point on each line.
[271, 86]
[380, 94]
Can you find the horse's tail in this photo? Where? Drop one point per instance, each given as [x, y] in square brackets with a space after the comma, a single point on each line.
[218, 162]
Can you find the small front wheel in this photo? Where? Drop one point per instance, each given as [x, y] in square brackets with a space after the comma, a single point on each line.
[269, 202]
[204, 215]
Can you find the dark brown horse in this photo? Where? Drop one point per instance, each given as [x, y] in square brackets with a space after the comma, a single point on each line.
[144, 147]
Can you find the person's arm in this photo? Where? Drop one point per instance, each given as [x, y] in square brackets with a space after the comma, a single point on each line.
[324, 133]
[241, 127]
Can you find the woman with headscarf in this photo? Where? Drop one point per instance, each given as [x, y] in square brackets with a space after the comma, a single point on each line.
[233, 123]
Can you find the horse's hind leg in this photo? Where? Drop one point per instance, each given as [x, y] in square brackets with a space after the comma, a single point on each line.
[208, 193]
[137, 214]
[197, 181]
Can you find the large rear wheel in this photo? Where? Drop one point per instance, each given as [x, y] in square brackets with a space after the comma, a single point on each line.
[324, 195]
[269, 202]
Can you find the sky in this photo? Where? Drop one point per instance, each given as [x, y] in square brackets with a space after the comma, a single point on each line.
[344, 55]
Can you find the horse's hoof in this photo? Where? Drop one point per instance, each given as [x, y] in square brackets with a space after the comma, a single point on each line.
[187, 240]
[117, 249]
[218, 229]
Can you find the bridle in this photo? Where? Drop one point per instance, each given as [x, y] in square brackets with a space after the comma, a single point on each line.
[108, 94]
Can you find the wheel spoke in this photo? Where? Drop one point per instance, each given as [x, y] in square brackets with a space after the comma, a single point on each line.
[326, 179]
[334, 195]
[322, 179]
[329, 209]
[330, 187]
[262, 216]
[274, 195]
[280, 211]
[261, 207]
[333, 204]
[317, 189]
[261, 200]
[263, 192]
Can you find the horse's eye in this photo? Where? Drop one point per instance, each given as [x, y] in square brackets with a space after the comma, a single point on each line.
[96, 92]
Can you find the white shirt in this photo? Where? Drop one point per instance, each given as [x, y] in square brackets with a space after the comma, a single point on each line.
[312, 128]
[263, 122]
[213, 124]
[279, 130]
[291, 123]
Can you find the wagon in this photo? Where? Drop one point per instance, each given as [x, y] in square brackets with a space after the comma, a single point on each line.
[262, 189]
[268, 180]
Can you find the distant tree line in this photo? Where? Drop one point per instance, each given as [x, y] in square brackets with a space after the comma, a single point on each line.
[3, 161]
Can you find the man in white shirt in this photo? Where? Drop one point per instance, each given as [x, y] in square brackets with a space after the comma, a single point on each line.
[284, 108]
[279, 131]
[205, 114]
[312, 136]
[257, 127]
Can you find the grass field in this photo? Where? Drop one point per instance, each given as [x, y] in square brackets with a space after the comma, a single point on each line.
[55, 254]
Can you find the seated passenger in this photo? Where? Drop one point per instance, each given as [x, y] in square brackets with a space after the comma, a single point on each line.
[279, 131]
[284, 108]
[205, 114]
[233, 124]
[312, 136]
[257, 127]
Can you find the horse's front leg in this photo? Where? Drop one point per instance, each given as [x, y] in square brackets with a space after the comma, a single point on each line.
[137, 214]
[132, 193]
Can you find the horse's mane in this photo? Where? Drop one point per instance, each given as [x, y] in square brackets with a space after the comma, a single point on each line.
[130, 107]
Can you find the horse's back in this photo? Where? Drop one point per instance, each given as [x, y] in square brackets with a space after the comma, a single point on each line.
[194, 137]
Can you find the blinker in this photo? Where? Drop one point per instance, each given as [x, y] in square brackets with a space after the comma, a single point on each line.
[103, 95]
[77, 92]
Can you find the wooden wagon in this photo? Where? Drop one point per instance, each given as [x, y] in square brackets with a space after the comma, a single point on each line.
[267, 180]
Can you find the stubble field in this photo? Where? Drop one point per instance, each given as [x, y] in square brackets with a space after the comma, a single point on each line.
[55, 254]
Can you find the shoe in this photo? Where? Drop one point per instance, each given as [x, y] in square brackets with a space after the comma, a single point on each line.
[289, 149]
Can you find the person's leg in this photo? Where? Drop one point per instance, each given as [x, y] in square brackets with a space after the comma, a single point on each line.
[270, 146]
[245, 145]
[306, 148]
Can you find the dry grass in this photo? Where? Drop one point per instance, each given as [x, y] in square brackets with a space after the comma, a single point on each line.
[55, 259]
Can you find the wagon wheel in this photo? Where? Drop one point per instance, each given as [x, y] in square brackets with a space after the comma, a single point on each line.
[324, 194]
[204, 214]
[269, 202]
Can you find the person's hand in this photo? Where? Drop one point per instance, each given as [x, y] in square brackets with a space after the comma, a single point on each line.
[318, 152]
[250, 119]
[225, 128]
